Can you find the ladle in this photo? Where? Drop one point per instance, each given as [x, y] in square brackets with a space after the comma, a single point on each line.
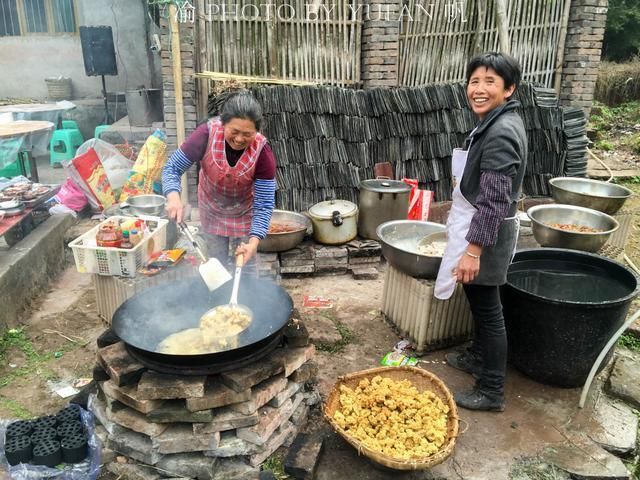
[431, 238]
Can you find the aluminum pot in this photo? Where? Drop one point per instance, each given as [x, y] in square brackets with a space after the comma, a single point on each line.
[542, 216]
[381, 201]
[153, 205]
[585, 192]
[334, 222]
[280, 242]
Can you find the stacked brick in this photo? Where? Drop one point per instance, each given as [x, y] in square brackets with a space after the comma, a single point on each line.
[583, 46]
[380, 35]
[209, 427]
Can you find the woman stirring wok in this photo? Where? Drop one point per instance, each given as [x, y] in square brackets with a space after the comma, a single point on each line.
[482, 226]
[236, 188]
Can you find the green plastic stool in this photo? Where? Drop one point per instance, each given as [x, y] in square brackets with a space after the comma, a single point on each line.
[99, 129]
[13, 169]
[63, 145]
[70, 125]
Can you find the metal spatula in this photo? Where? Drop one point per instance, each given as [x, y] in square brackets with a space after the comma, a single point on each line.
[212, 271]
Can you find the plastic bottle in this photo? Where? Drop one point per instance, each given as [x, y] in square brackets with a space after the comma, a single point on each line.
[135, 237]
[126, 242]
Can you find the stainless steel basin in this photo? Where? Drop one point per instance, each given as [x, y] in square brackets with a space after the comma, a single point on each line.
[280, 242]
[544, 215]
[584, 192]
[400, 239]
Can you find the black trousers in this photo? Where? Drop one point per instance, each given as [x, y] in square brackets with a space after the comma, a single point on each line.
[489, 336]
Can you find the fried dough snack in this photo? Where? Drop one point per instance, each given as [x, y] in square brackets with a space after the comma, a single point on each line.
[393, 417]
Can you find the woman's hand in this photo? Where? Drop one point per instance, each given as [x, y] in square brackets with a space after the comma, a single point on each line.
[175, 209]
[248, 249]
[469, 265]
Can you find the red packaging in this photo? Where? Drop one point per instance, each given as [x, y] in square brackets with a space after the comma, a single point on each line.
[90, 169]
[419, 201]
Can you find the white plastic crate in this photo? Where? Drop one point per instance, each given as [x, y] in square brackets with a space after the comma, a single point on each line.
[119, 262]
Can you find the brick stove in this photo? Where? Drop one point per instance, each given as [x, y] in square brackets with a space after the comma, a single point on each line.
[221, 426]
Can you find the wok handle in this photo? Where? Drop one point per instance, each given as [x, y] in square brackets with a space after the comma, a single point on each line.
[184, 229]
[240, 260]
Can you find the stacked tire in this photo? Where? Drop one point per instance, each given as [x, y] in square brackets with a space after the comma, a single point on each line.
[48, 440]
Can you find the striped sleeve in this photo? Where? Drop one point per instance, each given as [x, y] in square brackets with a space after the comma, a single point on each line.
[175, 167]
[493, 204]
[263, 204]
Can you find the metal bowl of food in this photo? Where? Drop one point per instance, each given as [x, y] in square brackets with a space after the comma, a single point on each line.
[286, 230]
[584, 192]
[568, 226]
[401, 240]
[153, 205]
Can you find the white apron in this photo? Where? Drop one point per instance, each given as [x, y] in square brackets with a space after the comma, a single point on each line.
[458, 224]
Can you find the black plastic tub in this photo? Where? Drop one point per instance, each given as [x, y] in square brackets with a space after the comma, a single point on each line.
[560, 308]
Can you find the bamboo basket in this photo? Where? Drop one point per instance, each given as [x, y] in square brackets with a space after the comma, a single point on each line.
[422, 380]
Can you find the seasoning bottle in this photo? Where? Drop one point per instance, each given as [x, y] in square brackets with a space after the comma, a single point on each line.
[135, 237]
[126, 242]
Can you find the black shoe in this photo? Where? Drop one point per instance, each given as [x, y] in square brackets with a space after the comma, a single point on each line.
[477, 400]
[465, 361]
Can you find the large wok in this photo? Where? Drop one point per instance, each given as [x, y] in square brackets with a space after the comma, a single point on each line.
[146, 319]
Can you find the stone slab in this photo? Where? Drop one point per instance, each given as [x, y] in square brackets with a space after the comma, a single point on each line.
[269, 421]
[300, 415]
[275, 442]
[98, 407]
[331, 252]
[133, 471]
[158, 386]
[122, 368]
[134, 445]
[304, 250]
[173, 411]
[244, 378]
[623, 381]
[189, 465]
[225, 419]
[106, 338]
[181, 439]
[296, 262]
[335, 270]
[233, 469]
[133, 420]
[312, 397]
[99, 374]
[296, 334]
[584, 459]
[298, 269]
[262, 394]
[217, 394]
[303, 455]
[128, 394]
[619, 426]
[290, 390]
[230, 446]
[322, 330]
[364, 261]
[294, 358]
[306, 373]
[365, 273]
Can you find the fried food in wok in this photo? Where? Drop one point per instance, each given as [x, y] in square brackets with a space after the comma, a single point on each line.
[225, 319]
[393, 417]
[194, 341]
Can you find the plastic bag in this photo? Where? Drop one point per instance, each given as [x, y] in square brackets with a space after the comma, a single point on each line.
[145, 175]
[89, 469]
[71, 196]
[116, 165]
[419, 201]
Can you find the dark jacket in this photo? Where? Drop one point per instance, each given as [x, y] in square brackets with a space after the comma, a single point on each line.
[498, 144]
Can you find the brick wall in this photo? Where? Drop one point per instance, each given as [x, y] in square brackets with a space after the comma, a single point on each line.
[187, 49]
[380, 33]
[583, 46]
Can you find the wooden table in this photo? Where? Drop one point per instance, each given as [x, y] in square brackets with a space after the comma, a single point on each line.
[20, 128]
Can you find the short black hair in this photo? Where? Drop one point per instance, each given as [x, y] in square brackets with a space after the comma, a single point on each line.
[242, 105]
[504, 65]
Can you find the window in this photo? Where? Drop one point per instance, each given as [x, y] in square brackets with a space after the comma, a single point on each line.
[26, 17]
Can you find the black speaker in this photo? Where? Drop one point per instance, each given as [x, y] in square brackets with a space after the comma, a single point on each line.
[98, 51]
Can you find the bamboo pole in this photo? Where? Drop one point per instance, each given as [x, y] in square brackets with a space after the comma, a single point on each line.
[503, 25]
[561, 45]
[201, 45]
[177, 85]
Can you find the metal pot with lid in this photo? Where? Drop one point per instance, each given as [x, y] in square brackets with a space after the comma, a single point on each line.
[381, 200]
[334, 221]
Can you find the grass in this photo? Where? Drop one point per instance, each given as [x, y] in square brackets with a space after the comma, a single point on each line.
[15, 408]
[536, 469]
[275, 465]
[630, 341]
[345, 333]
[618, 82]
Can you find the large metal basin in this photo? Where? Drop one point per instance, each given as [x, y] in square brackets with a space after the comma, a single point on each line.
[280, 242]
[584, 192]
[399, 240]
[547, 236]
